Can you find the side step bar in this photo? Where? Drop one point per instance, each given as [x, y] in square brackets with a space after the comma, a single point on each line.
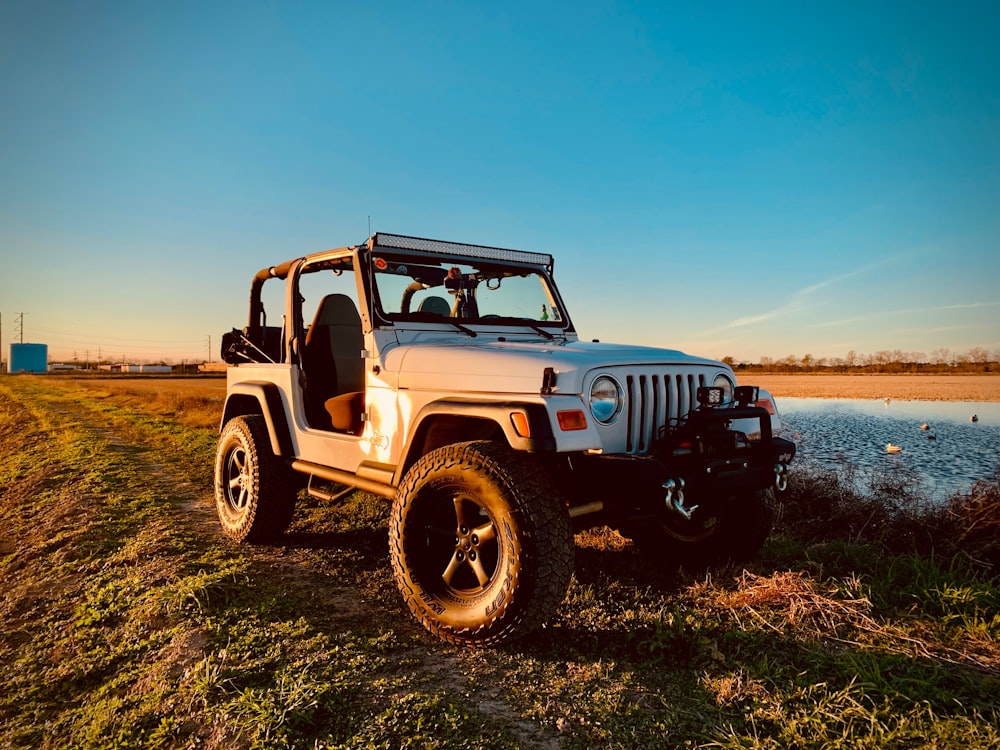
[344, 477]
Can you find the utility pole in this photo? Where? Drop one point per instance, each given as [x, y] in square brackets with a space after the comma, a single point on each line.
[1, 343]
[20, 327]
[210, 348]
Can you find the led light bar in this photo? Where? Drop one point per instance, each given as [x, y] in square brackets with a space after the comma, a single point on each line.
[380, 239]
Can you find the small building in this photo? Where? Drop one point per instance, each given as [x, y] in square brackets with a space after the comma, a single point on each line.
[29, 358]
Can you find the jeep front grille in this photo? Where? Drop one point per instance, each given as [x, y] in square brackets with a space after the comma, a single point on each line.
[655, 400]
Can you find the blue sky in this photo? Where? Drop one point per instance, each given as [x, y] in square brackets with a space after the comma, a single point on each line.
[742, 179]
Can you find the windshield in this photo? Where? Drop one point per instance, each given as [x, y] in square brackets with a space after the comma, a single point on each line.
[466, 290]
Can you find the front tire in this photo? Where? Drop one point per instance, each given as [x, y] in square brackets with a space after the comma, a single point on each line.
[480, 543]
[254, 489]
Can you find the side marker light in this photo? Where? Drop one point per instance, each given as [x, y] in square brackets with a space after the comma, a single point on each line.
[520, 422]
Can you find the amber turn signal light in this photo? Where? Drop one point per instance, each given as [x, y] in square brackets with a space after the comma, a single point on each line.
[571, 420]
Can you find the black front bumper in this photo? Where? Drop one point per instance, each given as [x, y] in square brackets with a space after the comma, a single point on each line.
[711, 457]
[704, 456]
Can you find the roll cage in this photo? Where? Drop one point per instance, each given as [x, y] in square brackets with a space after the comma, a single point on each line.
[429, 265]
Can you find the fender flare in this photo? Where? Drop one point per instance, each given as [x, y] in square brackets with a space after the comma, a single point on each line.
[540, 439]
[269, 404]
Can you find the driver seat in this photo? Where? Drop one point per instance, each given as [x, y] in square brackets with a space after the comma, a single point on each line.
[335, 371]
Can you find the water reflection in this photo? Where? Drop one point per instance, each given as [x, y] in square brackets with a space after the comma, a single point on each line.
[947, 457]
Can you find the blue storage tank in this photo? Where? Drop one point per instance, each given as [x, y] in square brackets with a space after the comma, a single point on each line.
[28, 358]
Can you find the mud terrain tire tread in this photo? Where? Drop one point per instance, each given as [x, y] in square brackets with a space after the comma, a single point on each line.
[535, 558]
[265, 510]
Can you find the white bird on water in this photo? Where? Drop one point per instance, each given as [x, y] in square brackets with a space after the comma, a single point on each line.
[890, 448]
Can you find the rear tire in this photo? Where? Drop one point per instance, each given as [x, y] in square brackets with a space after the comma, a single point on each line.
[480, 543]
[254, 489]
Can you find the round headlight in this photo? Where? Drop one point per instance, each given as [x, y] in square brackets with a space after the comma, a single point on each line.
[606, 399]
[726, 384]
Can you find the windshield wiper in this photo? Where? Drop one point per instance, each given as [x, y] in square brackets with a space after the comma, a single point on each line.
[535, 327]
[522, 321]
[472, 334]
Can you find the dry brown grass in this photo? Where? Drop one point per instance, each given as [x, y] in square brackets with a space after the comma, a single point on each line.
[177, 385]
[903, 387]
[193, 401]
[799, 600]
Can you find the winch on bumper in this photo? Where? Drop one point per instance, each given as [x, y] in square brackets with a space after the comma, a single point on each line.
[694, 466]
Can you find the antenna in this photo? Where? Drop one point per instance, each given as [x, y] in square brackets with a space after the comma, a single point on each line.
[369, 225]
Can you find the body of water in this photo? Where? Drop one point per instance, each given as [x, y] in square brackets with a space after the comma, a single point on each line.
[946, 458]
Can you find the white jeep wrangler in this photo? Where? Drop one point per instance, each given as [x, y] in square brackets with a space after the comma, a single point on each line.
[450, 379]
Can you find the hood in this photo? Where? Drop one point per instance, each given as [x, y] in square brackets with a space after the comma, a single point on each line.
[517, 366]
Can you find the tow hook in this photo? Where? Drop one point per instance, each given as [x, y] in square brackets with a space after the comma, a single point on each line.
[675, 498]
[781, 476]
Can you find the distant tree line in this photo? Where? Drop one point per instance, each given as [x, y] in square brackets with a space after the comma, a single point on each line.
[975, 360]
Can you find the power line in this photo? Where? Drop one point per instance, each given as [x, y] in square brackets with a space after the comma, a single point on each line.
[102, 336]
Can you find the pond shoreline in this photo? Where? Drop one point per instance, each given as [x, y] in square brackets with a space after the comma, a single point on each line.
[984, 388]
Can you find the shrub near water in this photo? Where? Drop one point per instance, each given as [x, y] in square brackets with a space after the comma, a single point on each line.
[869, 621]
[892, 517]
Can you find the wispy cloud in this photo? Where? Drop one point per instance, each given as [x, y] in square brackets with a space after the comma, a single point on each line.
[966, 306]
[800, 298]
[904, 311]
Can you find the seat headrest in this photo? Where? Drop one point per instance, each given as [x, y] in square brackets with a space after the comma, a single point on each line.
[337, 309]
[437, 305]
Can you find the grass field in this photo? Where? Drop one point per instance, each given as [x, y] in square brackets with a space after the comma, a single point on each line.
[130, 622]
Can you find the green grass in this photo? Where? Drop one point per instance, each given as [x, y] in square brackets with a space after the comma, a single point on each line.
[868, 621]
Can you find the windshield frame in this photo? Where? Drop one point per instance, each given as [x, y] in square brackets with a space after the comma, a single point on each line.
[431, 268]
